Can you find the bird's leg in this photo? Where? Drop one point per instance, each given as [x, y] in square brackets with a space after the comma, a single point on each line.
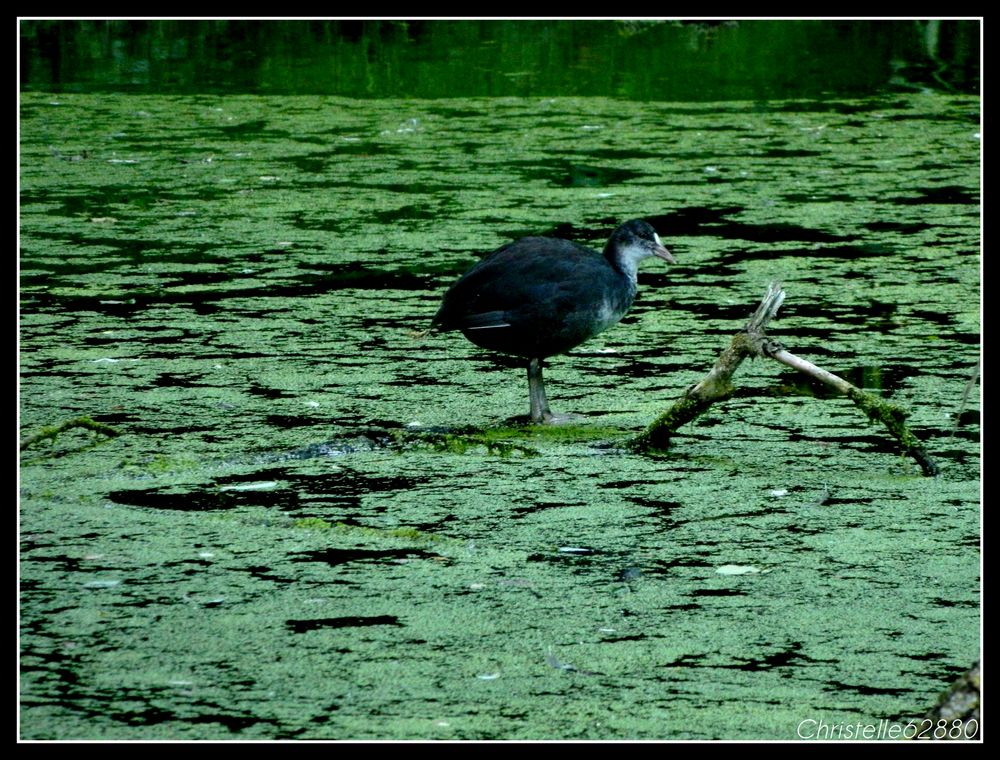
[536, 393]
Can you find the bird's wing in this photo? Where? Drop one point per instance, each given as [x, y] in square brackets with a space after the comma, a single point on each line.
[486, 320]
[510, 285]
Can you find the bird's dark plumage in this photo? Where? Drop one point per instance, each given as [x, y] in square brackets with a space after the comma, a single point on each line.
[538, 297]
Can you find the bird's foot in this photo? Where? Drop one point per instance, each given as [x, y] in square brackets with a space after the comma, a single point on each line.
[548, 418]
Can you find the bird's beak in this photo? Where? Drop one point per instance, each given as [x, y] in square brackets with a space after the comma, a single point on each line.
[659, 251]
[662, 253]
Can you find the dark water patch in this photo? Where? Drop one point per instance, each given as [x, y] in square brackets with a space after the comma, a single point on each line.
[708, 221]
[662, 509]
[197, 277]
[254, 388]
[819, 198]
[665, 567]
[303, 626]
[341, 483]
[204, 499]
[370, 440]
[255, 127]
[947, 195]
[929, 656]
[865, 689]
[967, 419]
[264, 573]
[937, 317]
[734, 315]
[118, 202]
[629, 484]
[881, 444]
[939, 602]
[568, 174]
[330, 277]
[790, 153]
[843, 252]
[615, 154]
[405, 213]
[789, 657]
[291, 421]
[687, 607]
[717, 592]
[571, 556]
[616, 639]
[884, 380]
[969, 339]
[338, 557]
[129, 302]
[844, 107]
[173, 380]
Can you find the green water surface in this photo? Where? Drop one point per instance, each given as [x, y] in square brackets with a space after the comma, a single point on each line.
[319, 522]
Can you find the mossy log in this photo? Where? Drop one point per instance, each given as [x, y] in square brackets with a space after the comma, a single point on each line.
[717, 386]
[51, 432]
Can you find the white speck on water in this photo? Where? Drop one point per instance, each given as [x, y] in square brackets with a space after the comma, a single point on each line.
[206, 555]
[711, 169]
[488, 676]
[592, 126]
[443, 724]
[101, 584]
[122, 161]
[575, 550]
[180, 683]
[269, 178]
[262, 485]
[736, 569]
[105, 360]
[312, 404]
[607, 630]
[779, 492]
[603, 195]
[477, 586]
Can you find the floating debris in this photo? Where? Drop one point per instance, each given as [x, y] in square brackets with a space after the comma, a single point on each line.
[555, 663]
[736, 569]
[630, 574]
[575, 550]
[262, 485]
[488, 676]
[101, 584]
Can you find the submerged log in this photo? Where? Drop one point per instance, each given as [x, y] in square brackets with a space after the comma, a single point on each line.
[752, 341]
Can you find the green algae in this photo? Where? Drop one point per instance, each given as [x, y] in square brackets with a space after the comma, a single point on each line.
[50, 433]
[408, 583]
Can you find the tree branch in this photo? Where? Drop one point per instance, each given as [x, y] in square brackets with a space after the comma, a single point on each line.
[752, 341]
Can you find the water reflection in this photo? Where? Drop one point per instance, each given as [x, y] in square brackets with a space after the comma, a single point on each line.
[641, 60]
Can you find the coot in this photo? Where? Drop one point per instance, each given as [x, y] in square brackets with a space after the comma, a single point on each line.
[538, 297]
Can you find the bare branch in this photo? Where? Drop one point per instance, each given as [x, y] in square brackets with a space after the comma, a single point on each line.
[752, 341]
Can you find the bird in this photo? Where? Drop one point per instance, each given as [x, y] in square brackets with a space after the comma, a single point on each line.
[537, 297]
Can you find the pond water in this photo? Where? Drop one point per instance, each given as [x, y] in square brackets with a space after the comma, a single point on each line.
[319, 521]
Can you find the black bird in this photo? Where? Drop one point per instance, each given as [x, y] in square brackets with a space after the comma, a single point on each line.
[539, 296]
